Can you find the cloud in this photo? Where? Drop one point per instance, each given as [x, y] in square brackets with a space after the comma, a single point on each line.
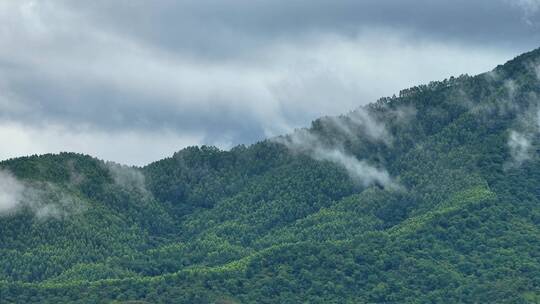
[358, 122]
[531, 6]
[359, 170]
[240, 27]
[44, 200]
[129, 178]
[193, 72]
[11, 192]
[521, 142]
[530, 9]
[520, 147]
[515, 99]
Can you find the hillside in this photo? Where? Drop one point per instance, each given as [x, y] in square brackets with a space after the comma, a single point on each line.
[430, 196]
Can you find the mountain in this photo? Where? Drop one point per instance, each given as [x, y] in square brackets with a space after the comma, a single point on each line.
[428, 197]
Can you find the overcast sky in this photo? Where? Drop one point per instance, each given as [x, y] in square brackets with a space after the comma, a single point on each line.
[134, 81]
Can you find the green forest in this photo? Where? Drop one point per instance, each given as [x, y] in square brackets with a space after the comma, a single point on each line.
[430, 196]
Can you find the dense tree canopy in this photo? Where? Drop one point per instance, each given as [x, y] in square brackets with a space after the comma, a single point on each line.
[283, 222]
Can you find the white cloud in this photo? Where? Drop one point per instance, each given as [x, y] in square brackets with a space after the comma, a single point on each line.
[44, 200]
[520, 147]
[359, 170]
[128, 177]
[11, 192]
[306, 142]
[521, 140]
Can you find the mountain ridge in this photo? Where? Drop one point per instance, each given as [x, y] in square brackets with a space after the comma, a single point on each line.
[424, 197]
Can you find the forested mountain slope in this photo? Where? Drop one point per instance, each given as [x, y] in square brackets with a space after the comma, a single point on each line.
[430, 196]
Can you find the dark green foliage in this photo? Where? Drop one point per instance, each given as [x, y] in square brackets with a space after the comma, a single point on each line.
[263, 224]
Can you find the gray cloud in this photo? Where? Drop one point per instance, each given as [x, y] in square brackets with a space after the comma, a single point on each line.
[530, 9]
[244, 25]
[83, 76]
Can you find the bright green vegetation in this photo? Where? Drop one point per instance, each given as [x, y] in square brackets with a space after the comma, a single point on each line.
[264, 224]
